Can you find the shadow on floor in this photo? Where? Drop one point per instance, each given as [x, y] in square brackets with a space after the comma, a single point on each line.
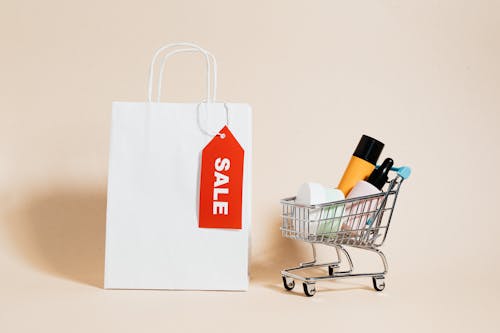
[281, 253]
[62, 232]
[287, 253]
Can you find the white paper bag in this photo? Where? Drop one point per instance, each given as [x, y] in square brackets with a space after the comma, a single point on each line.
[152, 236]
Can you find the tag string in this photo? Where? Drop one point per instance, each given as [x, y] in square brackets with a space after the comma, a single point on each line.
[203, 129]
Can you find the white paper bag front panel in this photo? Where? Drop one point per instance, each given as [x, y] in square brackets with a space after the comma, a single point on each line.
[152, 235]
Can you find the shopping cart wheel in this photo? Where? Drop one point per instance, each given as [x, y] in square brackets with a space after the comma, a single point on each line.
[378, 283]
[288, 283]
[309, 289]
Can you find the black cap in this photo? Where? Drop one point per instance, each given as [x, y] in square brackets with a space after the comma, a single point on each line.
[379, 176]
[369, 149]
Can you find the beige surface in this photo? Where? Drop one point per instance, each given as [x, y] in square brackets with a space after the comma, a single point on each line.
[421, 76]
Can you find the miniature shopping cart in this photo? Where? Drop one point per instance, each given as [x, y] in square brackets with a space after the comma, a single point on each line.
[361, 222]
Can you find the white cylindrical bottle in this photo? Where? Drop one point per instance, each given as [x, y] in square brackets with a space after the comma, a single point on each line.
[358, 212]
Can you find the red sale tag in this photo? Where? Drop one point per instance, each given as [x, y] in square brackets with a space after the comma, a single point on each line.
[221, 182]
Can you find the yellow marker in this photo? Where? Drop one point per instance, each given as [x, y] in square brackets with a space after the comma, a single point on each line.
[362, 163]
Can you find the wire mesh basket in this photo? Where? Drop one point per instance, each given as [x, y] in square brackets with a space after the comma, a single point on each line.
[361, 222]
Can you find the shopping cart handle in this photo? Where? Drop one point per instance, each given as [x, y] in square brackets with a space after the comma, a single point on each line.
[403, 171]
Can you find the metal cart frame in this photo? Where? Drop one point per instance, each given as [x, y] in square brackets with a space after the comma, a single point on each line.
[361, 222]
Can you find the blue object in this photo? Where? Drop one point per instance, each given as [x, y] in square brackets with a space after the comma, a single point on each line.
[403, 171]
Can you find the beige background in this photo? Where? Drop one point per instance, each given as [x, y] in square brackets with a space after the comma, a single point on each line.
[421, 76]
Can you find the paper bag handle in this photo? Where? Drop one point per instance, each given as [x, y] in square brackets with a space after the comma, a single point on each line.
[214, 63]
[190, 48]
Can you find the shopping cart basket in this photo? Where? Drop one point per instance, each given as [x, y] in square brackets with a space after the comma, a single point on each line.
[361, 222]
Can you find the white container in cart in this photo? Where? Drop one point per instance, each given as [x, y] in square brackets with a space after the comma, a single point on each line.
[297, 224]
